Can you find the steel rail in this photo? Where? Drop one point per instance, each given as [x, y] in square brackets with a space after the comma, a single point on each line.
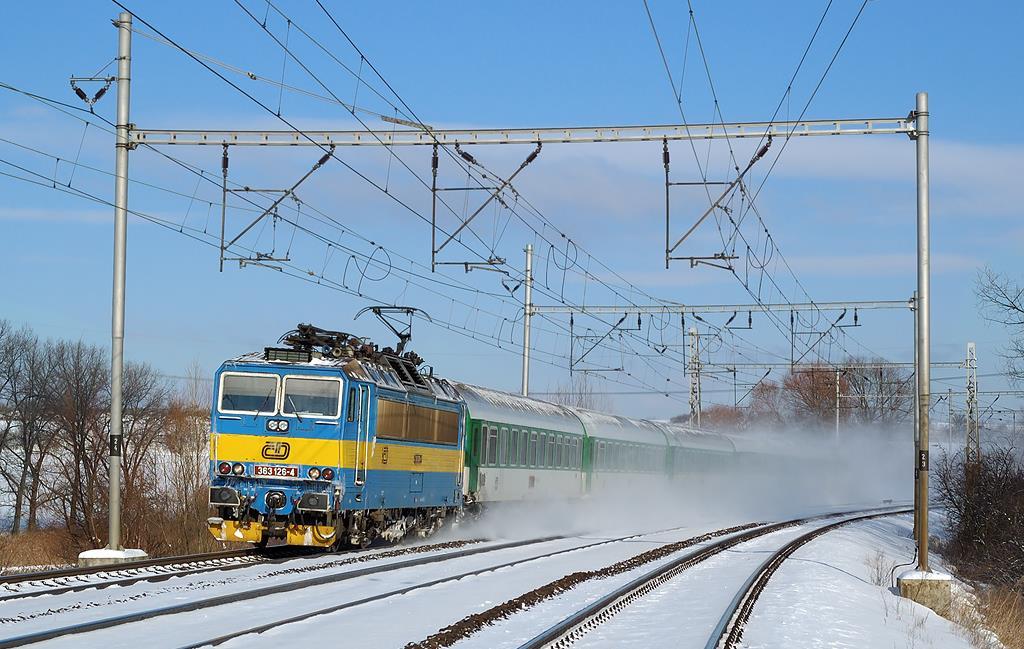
[193, 605]
[259, 559]
[59, 573]
[568, 630]
[402, 591]
[729, 630]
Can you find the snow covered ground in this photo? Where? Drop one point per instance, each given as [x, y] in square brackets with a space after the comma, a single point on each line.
[828, 595]
[834, 592]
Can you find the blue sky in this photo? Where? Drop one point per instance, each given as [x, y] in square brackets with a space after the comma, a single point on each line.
[840, 209]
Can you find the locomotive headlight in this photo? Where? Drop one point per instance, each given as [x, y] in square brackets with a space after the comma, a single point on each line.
[314, 473]
[238, 468]
[283, 426]
[327, 473]
[224, 468]
[272, 424]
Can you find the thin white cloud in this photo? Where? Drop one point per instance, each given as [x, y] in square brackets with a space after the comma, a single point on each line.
[59, 215]
[878, 265]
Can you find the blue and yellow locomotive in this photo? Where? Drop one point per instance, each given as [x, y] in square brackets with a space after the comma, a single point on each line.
[328, 442]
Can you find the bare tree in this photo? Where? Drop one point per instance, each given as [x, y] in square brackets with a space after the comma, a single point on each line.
[879, 396]
[767, 404]
[985, 510]
[188, 463]
[145, 396]
[80, 405]
[722, 417]
[578, 392]
[810, 393]
[29, 400]
[1001, 300]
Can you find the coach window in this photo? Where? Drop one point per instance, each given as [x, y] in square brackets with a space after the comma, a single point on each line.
[513, 448]
[560, 451]
[248, 393]
[531, 459]
[523, 447]
[316, 397]
[492, 445]
[503, 446]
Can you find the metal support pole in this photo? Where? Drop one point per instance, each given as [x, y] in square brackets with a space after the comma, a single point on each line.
[433, 211]
[124, 67]
[924, 324]
[837, 404]
[949, 420]
[917, 421]
[223, 202]
[665, 159]
[527, 315]
[695, 396]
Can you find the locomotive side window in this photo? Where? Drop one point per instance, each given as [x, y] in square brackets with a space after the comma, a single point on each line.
[317, 397]
[248, 393]
[351, 405]
[399, 420]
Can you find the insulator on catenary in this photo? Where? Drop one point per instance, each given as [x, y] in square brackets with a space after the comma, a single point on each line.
[81, 94]
[99, 94]
[323, 159]
[467, 157]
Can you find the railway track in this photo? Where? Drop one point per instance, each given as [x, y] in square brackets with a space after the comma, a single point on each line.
[55, 582]
[59, 574]
[100, 623]
[567, 631]
[208, 603]
[184, 567]
[729, 630]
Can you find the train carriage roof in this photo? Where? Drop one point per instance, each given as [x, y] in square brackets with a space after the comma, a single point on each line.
[687, 437]
[503, 407]
[638, 431]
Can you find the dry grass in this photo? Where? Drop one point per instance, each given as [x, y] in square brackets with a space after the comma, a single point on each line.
[38, 548]
[879, 568]
[1004, 615]
[992, 618]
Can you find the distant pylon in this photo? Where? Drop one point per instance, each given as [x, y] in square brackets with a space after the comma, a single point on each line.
[973, 449]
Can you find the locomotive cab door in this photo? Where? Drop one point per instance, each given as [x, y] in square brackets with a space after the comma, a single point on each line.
[362, 434]
[356, 432]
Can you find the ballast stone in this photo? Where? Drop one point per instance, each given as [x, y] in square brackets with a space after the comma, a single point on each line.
[931, 589]
[106, 557]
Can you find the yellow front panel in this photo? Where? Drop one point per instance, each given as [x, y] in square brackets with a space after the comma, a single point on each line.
[383, 454]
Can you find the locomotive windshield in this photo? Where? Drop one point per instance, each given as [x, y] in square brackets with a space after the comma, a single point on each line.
[248, 393]
[309, 396]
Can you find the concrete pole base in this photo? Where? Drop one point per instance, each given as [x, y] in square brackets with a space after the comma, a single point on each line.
[108, 557]
[931, 589]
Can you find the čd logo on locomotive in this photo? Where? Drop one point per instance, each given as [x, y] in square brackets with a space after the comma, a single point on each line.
[276, 450]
